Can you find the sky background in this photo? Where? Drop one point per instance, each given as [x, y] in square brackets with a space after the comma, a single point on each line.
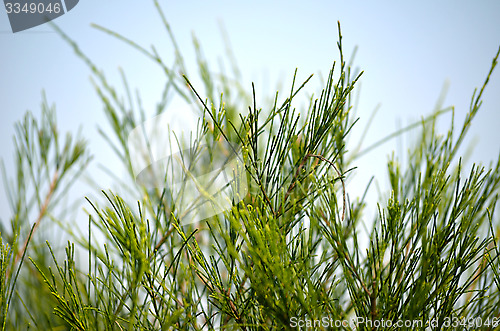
[407, 50]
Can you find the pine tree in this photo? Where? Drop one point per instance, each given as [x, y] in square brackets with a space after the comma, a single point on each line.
[274, 247]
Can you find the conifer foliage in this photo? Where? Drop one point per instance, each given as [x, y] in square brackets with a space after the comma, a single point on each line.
[289, 252]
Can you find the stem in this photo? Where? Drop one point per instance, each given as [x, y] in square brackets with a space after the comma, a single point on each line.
[292, 185]
[341, 180]
[41, 214]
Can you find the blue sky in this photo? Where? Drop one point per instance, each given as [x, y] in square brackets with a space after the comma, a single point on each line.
[407, 51]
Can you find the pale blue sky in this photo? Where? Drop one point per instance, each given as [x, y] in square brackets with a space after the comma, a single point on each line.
[407, 50]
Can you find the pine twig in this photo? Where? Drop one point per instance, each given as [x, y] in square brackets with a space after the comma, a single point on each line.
[302, 163]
